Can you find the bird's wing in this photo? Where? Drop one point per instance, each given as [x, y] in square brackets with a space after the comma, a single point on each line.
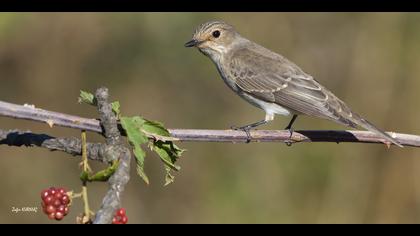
[274, 79]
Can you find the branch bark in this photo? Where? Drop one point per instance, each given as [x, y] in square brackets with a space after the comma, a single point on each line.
[71, 146]
[336, 136]
[116, 150]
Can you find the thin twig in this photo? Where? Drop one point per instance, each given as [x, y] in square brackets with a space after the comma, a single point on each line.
[336, 136]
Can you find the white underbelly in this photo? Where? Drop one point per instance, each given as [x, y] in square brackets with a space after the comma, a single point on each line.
[268, 107]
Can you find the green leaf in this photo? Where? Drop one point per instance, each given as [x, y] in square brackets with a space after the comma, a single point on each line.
[169, 178]
[140, 156]
[87, 98]
[132, 126]
[104, 175]
[84, 176]
[169, 154]
[116, 108]
[138, 129]
[155, 127]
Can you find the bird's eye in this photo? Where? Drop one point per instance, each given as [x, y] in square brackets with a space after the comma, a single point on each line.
[216, 33]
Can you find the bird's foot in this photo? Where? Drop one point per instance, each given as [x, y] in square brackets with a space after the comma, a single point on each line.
[289, 142]
[246, 129]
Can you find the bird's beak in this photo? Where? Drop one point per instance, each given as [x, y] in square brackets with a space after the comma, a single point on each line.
[192, 43]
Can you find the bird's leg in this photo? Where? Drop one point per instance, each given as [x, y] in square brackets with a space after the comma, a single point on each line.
[290, 129]
[289, 126]
[247, 128]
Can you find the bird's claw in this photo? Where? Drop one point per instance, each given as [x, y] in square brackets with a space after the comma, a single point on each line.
[245, 129]
[289, 142]
[291, 130]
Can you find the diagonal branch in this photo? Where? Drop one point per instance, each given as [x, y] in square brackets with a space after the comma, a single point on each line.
[76, 122]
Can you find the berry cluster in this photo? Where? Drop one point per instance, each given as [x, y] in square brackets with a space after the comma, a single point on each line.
[120, 217]
[55, 203]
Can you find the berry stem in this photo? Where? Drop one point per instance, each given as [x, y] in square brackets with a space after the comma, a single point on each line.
[86, 168]
[84, 152]
[75, 195]
[86, 202]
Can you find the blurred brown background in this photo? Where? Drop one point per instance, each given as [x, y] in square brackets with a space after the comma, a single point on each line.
[370, 60]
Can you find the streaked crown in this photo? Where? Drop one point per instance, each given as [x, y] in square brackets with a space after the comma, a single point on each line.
[209, 26]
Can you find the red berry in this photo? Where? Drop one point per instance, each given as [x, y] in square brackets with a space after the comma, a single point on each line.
[121, 212]
[52, 191]
[50, 209]
[61, 208]
[65, 199]
[51, 216]
[120, 217]
[61, 190]
[44, 194]
[48, 200]
[66, 210]
[58, 195]
[59, 215]
[56, 203]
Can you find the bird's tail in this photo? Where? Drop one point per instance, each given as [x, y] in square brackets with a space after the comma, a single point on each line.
[371, 127]
[344, 115]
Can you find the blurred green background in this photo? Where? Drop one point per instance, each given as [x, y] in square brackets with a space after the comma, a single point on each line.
[370, 60]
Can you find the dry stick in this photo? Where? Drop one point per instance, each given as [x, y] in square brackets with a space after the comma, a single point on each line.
[71, 121]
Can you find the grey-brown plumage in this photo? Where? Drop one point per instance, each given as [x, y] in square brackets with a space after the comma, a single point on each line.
[270, 81]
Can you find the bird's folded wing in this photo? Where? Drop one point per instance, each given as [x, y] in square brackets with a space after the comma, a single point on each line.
[277, 80]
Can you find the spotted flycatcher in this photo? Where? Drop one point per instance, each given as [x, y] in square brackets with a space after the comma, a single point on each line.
[270, 81]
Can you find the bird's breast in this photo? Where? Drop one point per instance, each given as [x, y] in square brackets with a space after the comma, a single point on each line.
[229, 81]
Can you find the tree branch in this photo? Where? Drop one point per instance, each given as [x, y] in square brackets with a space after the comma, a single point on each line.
[116, 150]
[59, 119]
[71, 146]
[29, 112]
[335, 136]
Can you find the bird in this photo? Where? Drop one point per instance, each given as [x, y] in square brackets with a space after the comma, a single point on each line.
[271, 82]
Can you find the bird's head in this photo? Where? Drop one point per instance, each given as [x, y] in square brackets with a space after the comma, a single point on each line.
[213, 38]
